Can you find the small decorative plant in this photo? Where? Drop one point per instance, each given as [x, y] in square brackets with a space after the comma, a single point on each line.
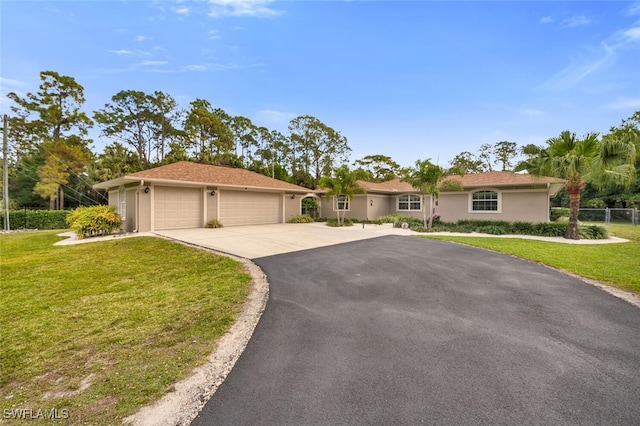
[215, 223]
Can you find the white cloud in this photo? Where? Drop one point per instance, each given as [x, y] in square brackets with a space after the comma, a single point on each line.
[213, 35]
[634, 9]
[151, 63]
[624, 104]
[274, 117]
[632, 34]
[182, 10]
[580, 68]
[594, 58]
[546, 20]
[242, 8]
[576, 21]
[11, 82]
[531, 112]
[195, 68]
[121, 52]
[158, 67]
[143, 38]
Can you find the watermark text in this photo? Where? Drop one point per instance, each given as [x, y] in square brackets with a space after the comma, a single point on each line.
[33, 414]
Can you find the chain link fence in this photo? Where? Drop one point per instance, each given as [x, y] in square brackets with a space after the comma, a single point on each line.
[614, 215]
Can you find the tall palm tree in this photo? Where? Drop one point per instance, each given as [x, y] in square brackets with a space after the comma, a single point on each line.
[345, 183]
[603, 163]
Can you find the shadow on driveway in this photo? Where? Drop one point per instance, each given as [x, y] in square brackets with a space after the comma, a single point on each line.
[397, 330]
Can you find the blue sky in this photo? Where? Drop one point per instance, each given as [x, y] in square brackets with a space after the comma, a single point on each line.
[408, 79]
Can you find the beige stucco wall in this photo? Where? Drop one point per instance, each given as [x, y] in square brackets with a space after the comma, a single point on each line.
[369, 206]
[292, 206]
[211, 204]
[520, 206]
[525, 206]
[377, 205]
[144, 210]
[515, 205]
[324, 206]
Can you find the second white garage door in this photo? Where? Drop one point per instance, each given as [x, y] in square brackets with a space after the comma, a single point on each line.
[176, 208]
[249, 208]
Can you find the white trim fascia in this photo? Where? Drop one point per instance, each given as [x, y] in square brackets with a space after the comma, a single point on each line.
[172, 182]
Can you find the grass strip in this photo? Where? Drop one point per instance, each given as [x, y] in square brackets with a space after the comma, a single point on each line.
[101, 329]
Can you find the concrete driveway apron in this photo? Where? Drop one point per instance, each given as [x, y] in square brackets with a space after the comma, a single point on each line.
[397, 330]
[254, 241]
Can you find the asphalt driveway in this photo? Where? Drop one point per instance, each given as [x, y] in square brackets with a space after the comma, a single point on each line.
[397, 330]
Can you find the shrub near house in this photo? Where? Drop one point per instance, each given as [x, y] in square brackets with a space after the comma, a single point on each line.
[94, 221]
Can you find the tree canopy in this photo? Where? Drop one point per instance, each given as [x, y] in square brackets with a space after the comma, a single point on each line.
[52, 162]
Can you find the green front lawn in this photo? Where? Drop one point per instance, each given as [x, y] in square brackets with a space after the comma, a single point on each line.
[103, 328]
[617, 265]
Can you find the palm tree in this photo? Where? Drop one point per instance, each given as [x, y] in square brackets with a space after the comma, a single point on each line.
[428, 179]
[345, 183]
[603, 163]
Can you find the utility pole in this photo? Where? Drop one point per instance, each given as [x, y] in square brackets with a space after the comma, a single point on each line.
[5, 174]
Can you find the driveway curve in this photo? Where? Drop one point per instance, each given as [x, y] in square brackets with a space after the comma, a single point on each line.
[396, 330]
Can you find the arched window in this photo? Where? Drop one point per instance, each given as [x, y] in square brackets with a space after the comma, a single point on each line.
[485, 201]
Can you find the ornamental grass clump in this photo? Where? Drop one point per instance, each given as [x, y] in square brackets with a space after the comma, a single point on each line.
[334, 222]
[303, 218]
[593, 232]
[94, 221]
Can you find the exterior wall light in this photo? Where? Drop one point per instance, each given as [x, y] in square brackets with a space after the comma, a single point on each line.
[146, 190]
[293, 196]
[213, 192]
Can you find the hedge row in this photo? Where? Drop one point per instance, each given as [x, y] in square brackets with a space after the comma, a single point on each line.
[553, 229]
[36, 219]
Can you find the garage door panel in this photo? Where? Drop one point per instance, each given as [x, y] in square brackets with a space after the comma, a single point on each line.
[250, 208]
[177, 207]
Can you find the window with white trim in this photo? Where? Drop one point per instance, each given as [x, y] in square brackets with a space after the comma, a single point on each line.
[341, 202]
[122, 197]
[484, 201]
[409, 202]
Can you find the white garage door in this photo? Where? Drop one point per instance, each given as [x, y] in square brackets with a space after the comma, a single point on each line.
[249, 208]
[177, 207]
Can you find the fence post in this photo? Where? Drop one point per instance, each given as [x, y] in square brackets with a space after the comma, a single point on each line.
[635, 217]
[607, 216]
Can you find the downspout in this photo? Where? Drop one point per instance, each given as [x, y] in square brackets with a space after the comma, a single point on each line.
[548, 202]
